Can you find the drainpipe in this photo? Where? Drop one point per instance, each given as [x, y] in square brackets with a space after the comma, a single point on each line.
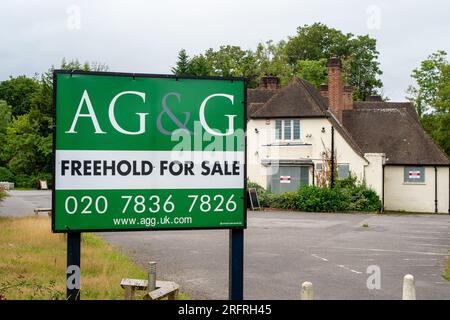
[435, 191]
[382, 188]
[332, 157]
[313, 175]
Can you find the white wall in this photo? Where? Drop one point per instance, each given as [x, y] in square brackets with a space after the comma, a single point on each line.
[374, 171]
[258, 147]
[415, 197]
[398, 195]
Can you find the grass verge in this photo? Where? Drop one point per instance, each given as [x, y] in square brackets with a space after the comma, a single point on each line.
[447, 269]
[33, 263]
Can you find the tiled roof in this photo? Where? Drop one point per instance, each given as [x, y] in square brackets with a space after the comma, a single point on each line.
[394, 129]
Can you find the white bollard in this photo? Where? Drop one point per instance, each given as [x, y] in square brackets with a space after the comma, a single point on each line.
[307, 291]
[409, 287]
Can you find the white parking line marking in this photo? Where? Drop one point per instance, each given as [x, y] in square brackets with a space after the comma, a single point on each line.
[428, 238]
[362, 254]
[430, 245]
[418, 265]
[348, 269]
[427, 232]
[319, 257]
[393, 251]
[409, 259]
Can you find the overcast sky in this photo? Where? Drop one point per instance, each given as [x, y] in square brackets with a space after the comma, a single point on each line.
[145, 36]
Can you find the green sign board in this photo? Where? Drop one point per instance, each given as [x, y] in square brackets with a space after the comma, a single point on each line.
[144, 152]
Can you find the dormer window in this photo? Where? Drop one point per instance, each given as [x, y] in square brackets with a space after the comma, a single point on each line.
[287, 129]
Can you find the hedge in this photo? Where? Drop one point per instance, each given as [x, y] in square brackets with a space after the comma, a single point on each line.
[346, 196]
[31, 181]
[6, 175]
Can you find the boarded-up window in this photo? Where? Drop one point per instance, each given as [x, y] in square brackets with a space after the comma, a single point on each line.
[343, 170]
[289, 179]
[414, 175]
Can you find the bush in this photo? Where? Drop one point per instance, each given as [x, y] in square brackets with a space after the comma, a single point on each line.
[347, 195]
[288, 200]
[263, 195]
[2, 193]
[31, 181]
[363, 199]
[321, 199]
[6, 175]
[347, 183]
[268, 199]
[24, 181]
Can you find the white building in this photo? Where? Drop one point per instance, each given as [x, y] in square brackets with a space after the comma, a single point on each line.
[381, 143]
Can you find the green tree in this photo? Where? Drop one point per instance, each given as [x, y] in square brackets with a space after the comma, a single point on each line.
[431, 97]
[302, 55]
[232, 61]
[182, 66]
[26, 151]
[199, 66]
[442, 103]
[361, 67]
[228, 61]
[314, 71]
[17, 93]
[5, 116]
[42, 98]
[431, 76]
[437, 125]
[26, 139]
[271, 60]
[317, 41]
[5, 119]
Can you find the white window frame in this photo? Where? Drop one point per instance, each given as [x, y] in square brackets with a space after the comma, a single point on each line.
[292, 129]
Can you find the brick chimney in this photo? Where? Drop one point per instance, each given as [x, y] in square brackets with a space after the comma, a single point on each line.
[270, 82]
[339, 97]
[335, 100]
[323, 89]
[347, 97]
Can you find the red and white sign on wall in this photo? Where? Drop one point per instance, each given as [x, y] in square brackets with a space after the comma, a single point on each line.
[285, 179]
[414, 174]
